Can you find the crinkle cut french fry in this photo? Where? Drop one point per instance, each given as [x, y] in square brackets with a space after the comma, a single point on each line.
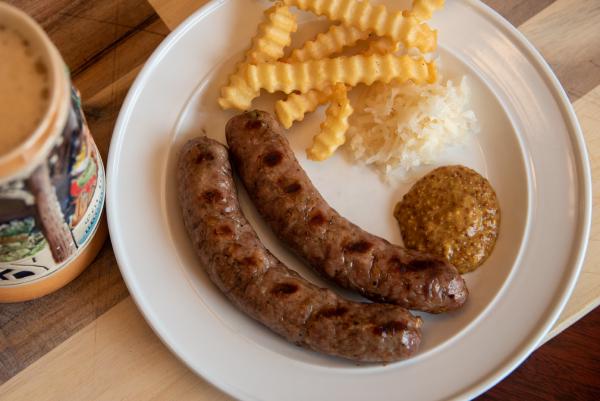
[296, 105]
[328, 43]
[319, 74]
[366, 17]
[333, 129]
[422, 10]
[274, 35]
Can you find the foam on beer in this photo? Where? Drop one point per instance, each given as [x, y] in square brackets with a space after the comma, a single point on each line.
[24, 89]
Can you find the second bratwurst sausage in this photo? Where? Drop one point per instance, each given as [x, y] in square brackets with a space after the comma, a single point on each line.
[336, 248]
[263, 287]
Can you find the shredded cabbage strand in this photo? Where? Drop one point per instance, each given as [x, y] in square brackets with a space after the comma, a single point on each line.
[407, 125]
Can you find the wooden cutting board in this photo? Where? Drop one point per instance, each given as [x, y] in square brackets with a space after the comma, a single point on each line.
[88, 341]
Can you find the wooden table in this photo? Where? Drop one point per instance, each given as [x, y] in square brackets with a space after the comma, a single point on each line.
[88, 341]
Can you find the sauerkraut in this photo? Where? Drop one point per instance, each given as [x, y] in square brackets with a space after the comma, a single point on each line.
[407, 125]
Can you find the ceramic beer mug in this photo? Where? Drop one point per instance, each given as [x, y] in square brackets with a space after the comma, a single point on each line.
[52, 179]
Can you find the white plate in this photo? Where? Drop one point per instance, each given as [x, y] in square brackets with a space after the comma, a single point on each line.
[530, 148]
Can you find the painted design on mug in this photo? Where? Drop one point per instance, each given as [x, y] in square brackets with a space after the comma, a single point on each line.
[47, 216]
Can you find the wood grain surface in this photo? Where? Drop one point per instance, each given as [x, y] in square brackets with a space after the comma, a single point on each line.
[88, 341]
[118, 357]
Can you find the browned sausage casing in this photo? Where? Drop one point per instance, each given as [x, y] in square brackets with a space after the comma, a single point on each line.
[336, 248]
[260, 285]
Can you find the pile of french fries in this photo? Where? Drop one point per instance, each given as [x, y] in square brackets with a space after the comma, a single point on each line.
[311, 77]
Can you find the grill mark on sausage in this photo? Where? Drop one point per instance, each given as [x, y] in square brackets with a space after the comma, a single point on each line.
[212, 196]
[254, 124]
[284, 289]
[204, 156]
[289, 187]
[389, 329]
[272, 158]
[224, 231]
[292, 188]
[411, 266]
[249, 261]
[317, 219]
[396, 263]
[360, 246]
[421, 264]
[329, 313]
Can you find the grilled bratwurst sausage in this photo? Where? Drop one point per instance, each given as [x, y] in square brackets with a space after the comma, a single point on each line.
[260, 285]
[336, 248]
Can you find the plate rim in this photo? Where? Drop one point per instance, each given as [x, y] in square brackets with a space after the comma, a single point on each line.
[581, 234]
